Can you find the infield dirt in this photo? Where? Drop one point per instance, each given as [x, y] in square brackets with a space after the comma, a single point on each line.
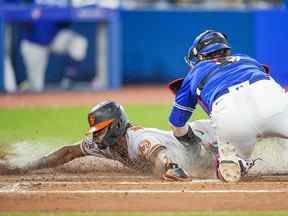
[125, 191]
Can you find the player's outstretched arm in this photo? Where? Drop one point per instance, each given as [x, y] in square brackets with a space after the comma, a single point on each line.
[54, 159]
[59, 157]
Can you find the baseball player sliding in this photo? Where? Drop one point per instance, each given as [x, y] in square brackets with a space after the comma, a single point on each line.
[243, 101]
[148, 149]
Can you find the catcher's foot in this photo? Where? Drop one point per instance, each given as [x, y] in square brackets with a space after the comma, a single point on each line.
[230, 171]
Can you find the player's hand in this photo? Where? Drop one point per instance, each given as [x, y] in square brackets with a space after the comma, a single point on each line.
[174, 173]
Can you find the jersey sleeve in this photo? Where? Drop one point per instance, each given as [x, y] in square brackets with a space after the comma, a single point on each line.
[88, 147]
[148, 146]
[184, 104]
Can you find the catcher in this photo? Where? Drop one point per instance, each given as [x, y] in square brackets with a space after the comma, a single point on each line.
[147, 149]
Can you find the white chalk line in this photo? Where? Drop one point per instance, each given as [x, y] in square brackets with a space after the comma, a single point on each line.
[18, 189]
[142, 191]
[11, 187]
[156, 182]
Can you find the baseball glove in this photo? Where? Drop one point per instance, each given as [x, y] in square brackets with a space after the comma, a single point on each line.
[173, 172]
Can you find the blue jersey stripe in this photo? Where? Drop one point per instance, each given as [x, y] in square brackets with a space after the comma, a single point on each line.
[189, 109]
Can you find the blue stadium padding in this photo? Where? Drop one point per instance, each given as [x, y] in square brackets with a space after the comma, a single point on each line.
[114, 52]
[155, 41]
[152, 43]
[271, 42]
[2, 35]
[86, 69]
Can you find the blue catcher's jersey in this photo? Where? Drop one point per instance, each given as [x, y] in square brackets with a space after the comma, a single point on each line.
[208, 79]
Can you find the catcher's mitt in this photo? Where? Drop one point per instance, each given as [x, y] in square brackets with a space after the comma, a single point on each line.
[173, 172]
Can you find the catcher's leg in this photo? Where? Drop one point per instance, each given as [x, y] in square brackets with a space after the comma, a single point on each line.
[277, 125]
[232, 163]
[236, 135]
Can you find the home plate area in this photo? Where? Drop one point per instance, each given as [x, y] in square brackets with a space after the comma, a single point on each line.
[115, 191]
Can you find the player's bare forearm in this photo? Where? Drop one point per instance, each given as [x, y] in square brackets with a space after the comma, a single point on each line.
[59, 157]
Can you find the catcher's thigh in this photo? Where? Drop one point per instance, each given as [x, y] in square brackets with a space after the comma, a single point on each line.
[234, 123]
[277, 126]
[271, 110]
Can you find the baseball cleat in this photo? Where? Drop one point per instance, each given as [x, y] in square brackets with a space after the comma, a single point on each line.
[230, 171]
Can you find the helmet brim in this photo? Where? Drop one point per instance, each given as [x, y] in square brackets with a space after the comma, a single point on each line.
[100, 126]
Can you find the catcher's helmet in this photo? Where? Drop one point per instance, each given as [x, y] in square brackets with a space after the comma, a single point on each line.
[207, 42]
[108, 119]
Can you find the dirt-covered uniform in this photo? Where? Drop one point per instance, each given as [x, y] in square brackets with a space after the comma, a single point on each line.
[143, 142]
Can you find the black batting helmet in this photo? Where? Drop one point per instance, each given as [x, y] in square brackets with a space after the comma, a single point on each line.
[110, 117]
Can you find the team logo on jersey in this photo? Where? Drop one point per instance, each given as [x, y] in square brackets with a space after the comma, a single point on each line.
[144, 148]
